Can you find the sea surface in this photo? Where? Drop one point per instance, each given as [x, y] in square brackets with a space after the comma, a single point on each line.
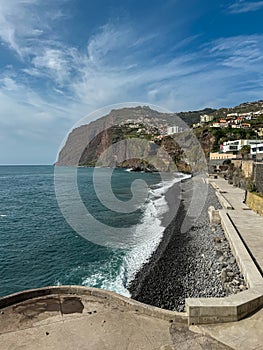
[38, 247]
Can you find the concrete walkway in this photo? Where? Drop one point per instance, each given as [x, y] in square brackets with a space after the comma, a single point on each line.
[246, 334]
[248, 223]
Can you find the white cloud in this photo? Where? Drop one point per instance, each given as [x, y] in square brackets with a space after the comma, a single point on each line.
[52, 63]
[15, 24]
[57, 84]
[9, 84]
[243, 52]
[23, 23]
[102, 43]
[245, 6]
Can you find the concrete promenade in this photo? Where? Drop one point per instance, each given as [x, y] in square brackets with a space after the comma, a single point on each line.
[248, 223]
[245, 334]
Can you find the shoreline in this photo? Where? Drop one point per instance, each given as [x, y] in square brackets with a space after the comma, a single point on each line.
[144, 251]
[198, 263]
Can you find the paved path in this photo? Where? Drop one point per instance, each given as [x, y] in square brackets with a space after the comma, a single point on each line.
[246, 334]
[248, 223]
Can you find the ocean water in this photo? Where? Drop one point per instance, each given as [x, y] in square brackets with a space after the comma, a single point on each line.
[38, 247]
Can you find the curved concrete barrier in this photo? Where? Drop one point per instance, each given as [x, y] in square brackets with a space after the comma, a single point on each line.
[102, 294]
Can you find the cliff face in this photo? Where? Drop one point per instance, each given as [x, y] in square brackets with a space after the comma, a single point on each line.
[78, 139]
[95, 148]
[113, 147]
[110, 142]
[206, 139]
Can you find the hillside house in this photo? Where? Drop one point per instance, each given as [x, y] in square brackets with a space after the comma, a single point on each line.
[205, 118]
[235, 146]
[174, 130]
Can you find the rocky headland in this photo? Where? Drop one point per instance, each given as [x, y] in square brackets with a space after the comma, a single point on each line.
[135, 138]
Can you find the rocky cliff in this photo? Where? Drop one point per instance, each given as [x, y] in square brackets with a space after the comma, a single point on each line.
[112, 141]
[207, 140]
[117, 146]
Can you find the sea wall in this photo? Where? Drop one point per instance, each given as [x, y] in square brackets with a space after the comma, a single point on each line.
[255, 202]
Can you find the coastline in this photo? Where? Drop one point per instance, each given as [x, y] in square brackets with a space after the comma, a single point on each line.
[186, 264]
[155, 219]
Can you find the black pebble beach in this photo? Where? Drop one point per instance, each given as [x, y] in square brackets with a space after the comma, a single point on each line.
[190, 264]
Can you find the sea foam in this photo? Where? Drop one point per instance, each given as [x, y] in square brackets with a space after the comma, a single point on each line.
[151, 227]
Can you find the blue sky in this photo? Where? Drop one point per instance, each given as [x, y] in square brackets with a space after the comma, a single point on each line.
[60, 60]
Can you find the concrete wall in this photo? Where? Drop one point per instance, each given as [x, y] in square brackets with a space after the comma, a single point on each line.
[237, 163]
[128, 303]
[245, 165]
[258, 176]
[248, 172]
[255, 202]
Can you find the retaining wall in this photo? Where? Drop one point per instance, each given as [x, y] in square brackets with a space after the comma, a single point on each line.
[255, 202]
[258, 176]
[245, 165]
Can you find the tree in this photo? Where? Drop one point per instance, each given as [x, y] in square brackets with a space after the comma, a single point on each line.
[245, 151]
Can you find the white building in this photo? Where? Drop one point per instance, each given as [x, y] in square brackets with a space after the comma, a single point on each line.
[216, 125]
[235, 146]
[257, 150]
[205, 118]
[232, 115]
[258, 112]
[174, 130]
[248, 114]
[197, 125]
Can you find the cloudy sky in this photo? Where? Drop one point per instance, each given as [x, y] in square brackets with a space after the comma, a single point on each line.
[62, 59]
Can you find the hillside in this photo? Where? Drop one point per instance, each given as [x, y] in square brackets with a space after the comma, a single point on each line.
[244, 121]
[86, 143]
[192, 117]
[242, 108]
